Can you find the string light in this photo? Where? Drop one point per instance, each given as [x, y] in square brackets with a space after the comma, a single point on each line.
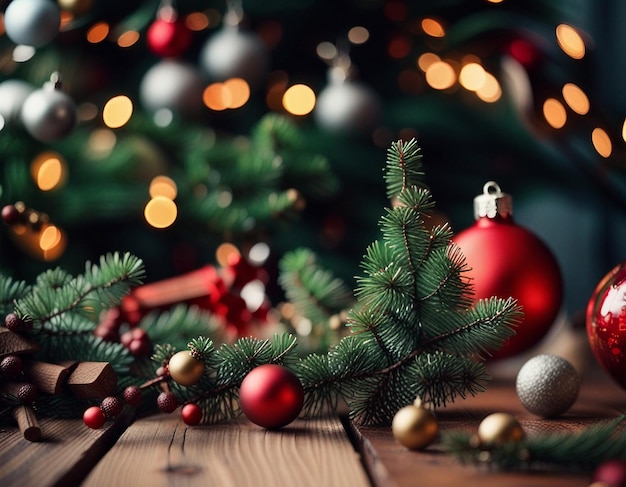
[232, 93]
[426, 59]
[117, 111]
[576, 98]
[624, 131]
[433, 27]
[49, 238]
[601, 142]
[570, 41]
[225, 253]
[163, 186]
[48, 171]
[554, 113]
[472, 76]
[160, 212]
[98, 32]
[440, 75]
[101, 142]
[299, 99]
[358, 35]
[490, 91]
[197, 21]
[128, 38]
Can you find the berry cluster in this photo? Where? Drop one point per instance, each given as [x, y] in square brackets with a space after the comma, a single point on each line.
[111, 407]
[191, 413]
[133, 338]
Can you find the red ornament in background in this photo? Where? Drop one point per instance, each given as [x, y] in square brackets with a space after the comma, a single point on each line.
[271, 396]
[168, 36]
[507, 260]
[606, 323]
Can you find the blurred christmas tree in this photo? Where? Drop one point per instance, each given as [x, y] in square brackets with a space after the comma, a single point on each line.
[527, 93]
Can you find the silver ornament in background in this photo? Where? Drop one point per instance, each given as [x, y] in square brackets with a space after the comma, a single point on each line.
[48, 113]
[232, 53]
[547, 385]
[172, 84]
[13, 93]
[32, 22]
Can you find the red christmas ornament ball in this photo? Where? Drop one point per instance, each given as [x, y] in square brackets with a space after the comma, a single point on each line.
[271, 396]
[191, 414]
[507, 260]
[611, 473]
[168, 38]
[94, 418]
[606, 316]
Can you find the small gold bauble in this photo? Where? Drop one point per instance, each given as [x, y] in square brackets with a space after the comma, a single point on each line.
[185, 369]
[415, 427]
[499, 428]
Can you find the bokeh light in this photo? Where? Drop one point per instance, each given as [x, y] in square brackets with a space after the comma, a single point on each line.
[163, 186]
[358, 35]
[440, 75]
[225, 253]
[117, 111]
[160, 212]
[128, 38]
[239, 92]
[299, 99]
[490, 91]
[554, 113]
[101, 142]
[426, 59]
[98, 32]
[433, 27]
[197, 21]
[232, 93]
[570, 41]
[576, 98]
[326, 50]
[49, 237]
[624, 130]
[472, 76]
[48, 171]
[601, 142]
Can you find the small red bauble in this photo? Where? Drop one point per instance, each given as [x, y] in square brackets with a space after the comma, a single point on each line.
[611, 473]
[94, 418]
[168, 38]
[271, 396]
[606, 320]
[191, 414]
[507, 260]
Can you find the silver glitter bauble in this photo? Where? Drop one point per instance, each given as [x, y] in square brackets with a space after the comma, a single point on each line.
[347, 108]
[232, 53]
[547, 385]
[48, 113]
[172, 84]
[13, 93]
[32, 22]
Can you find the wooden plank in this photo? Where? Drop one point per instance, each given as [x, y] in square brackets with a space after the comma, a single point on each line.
[162, 451]
[392, 465]
[68, 450]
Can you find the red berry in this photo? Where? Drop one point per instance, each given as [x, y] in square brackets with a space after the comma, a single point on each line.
[191, 414]
[139, 348]
[167, 402]
[126, 338]
[111, 406]
[16, 324]
[10, 214]
[94, 418]
[132, 395]
[11, 367]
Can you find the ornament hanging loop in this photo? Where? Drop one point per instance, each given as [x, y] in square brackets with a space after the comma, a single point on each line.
[492, 202]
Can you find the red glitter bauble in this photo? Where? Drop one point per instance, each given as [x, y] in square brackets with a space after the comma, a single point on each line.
[507, 260]
[606, 323]
[271, 396]
[168, 38]
[94, 418]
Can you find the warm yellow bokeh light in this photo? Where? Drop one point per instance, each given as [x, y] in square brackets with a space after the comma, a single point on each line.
[624, 131]
[495, 1]
[440, 75]
[570, 41]
[49, 238]
[196, 21]
[472, 76]
[490, 91]
[358, 35]
[554, 113]
[98, 32]
[238, 92]
[128, 38]
[117, 111]
[48, 171]
[425, 60]
[576, 98]
[216, 97]
[601, 142]
[163, 186]
[160, 212]
[433, 27]
[299, 100]
[225, 253]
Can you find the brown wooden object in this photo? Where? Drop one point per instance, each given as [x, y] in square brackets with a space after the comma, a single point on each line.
[48, 378]
[12, 343]
[27, 422]
[92, 380]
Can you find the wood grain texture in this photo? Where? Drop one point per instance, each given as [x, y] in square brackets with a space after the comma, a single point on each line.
[162, 451]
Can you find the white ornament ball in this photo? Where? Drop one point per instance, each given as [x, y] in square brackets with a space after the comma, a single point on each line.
[232, 53]
[32, 22]
[13, 93]
[172, 84]
[49, 114]
[547, 385]
[347, 108]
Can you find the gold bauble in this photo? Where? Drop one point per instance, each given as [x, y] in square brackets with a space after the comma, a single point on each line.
[415, 427]
[185, 369]
[499, 428]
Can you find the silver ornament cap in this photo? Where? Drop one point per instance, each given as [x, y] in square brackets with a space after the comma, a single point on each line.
[492, 202]
[547, 385]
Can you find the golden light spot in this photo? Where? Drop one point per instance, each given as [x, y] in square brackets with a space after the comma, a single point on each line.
[358, 35]
[601, 142]
[87, 111]
[624, 131]
[472, 76]
[225, 253]
[117, 111]
[101, 142]
[554, 113]
[160, 212]
[440, 75]
[48, 171]
[570, 41]
[490, 91]
[326, 50]
[495, 1]
[299, 99]
[66, 18]
[98, 32]
[425, 60]
[576, 98]
[238, 92]
[197, 21]
[128, 38]
[163, 186]
[216, 97]
[433, 27]
[49, 237]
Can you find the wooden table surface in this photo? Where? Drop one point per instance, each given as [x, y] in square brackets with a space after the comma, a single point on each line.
[160, 450]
